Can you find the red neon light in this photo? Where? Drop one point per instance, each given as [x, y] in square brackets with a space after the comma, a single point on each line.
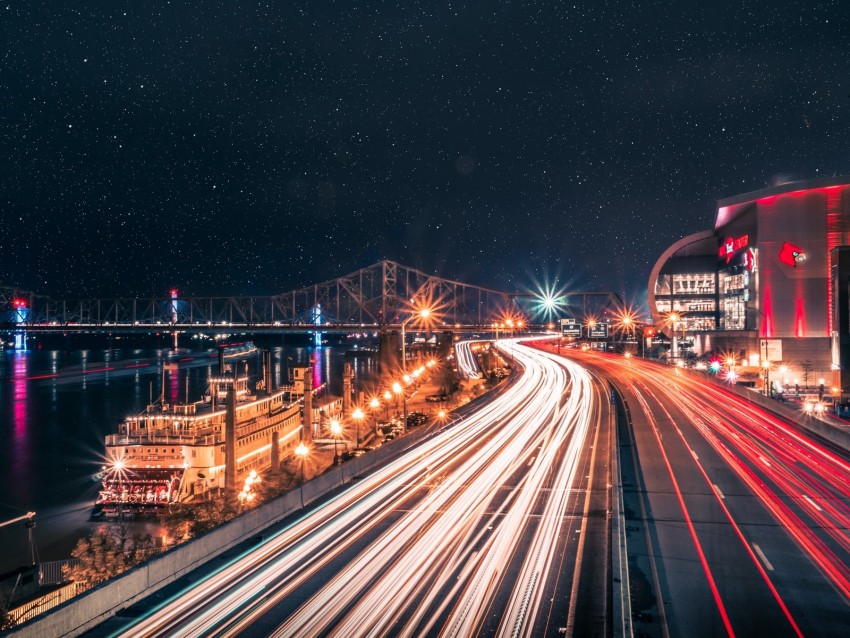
[799, 313]
[767, 326]
[731, 246]
[789, 253]
[750, 258]
[766, 201]
[19, 303]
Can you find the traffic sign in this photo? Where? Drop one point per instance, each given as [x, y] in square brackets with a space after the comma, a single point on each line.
[598, 331]
[570, 328]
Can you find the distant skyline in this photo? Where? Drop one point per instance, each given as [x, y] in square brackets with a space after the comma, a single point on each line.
[250, 149]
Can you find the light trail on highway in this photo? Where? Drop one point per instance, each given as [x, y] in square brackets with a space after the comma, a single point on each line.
[467, 364]
[715, 466]
[464, 534]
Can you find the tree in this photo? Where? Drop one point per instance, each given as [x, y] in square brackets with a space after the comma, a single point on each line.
[447, 379]
[106, 553]
[807, 367]
[6, 620]
[176, 519]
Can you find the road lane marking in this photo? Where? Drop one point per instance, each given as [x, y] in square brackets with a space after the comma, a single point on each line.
[694, 454]
[813, 504]
[763, 558]
[719, 491]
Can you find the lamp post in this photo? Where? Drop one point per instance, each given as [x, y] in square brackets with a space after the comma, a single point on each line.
[399, 390]
[591, 325]
[387, 398]
[375, 405]
[336, 430]
[357, 415]
[302, 451]
[673, 319]
[422, 314]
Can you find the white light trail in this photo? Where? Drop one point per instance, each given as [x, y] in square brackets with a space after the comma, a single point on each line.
[445, 517]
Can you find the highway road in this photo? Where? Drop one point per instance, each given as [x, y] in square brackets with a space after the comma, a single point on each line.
[467, 364]
[496, 525]
[738, 522]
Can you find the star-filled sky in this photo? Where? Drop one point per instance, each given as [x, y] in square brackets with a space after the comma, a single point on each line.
[255, 147]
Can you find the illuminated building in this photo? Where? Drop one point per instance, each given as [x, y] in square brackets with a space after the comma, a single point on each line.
[760, 284]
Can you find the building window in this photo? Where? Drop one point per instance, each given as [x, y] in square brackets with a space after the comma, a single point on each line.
[694, 295]
[734, 284]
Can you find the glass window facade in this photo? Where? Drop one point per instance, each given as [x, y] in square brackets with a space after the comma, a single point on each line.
[691, 294]
[735, 293]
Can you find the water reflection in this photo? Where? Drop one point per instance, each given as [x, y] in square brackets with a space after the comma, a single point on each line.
[57, 405]
[22, 456]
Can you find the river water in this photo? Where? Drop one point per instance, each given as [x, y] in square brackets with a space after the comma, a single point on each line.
[61, 396]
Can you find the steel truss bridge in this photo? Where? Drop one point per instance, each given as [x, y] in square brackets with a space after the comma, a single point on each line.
[379, 296]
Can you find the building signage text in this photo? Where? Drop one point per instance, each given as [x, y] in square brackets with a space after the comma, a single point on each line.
[733, 245]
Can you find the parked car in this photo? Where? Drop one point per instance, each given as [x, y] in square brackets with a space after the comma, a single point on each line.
[436, 398]
[416, 418]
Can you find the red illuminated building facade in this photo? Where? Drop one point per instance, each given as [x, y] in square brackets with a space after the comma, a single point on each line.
[759, 286]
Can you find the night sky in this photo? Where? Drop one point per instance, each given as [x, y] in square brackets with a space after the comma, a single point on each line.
[255, 147]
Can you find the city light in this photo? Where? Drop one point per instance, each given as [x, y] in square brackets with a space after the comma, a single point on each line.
[247, 495]
[336, 431]
[336, 428]
[548, 302]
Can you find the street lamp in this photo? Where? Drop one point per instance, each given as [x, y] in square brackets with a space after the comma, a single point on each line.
[302, 451]
[673, 319]
[400, 391]
[497, 326]
[387, 398]
[336, 430]
[375, 405]
[424, 313]
[358, 415]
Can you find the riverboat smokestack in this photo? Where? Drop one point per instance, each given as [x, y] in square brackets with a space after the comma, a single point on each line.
[230, 443]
